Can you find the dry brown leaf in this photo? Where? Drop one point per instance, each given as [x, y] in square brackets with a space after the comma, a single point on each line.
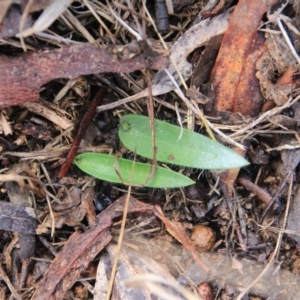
[11, 13]
[206, 61]
[70, 213]
[193, 38]
[25, 182]
[284, 121]
[236, 88]
[180, 235]
[277, 46]
[272, 92]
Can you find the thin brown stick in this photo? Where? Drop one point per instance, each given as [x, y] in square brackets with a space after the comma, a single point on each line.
[126, 8]
[282, 184]
[258, 191]
[121, 237]
[81, 130]
[228, 197]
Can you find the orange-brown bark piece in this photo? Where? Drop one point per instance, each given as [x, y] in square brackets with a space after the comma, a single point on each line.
[21, 77]
[205, 291]
[287, 77]
[236, 88]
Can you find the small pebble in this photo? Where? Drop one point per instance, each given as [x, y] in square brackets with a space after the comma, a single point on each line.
[205, 291]
[203, 237]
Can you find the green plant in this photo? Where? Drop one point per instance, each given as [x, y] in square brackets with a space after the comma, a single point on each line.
[105, 167]
[174, 145]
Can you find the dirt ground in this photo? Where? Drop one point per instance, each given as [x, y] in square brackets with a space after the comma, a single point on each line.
[70, 70]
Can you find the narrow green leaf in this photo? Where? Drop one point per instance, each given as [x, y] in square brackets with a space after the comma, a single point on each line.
[174, 146]
[102, 166]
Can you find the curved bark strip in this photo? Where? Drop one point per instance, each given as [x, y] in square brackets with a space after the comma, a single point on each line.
[21, 77]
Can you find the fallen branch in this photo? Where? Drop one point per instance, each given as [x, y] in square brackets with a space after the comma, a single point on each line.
[21, 77]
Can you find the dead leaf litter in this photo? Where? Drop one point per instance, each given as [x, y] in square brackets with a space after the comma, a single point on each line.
[226, 69]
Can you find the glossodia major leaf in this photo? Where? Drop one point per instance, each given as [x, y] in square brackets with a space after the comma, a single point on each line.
[120, 170]
[176, 146]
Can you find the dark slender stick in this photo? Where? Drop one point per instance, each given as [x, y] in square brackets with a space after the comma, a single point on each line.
[272, 201]
[84, 123]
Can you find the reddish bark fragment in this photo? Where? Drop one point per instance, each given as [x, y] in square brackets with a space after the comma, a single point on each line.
[287, 77]
[21, 77]
[80, 250]
[237, 90]
[87, 198]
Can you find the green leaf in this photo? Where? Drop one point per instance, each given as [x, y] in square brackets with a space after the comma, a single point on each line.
[103, 166]
[174, 146]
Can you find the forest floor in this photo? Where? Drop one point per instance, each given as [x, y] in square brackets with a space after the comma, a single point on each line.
[226, 69]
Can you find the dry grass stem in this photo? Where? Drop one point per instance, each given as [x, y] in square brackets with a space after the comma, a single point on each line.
[288, 41]
[11, 287]
[119, 245]
[51, 112]
[274, 111]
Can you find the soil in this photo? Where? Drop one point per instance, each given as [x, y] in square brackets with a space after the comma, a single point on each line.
[234, 234]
